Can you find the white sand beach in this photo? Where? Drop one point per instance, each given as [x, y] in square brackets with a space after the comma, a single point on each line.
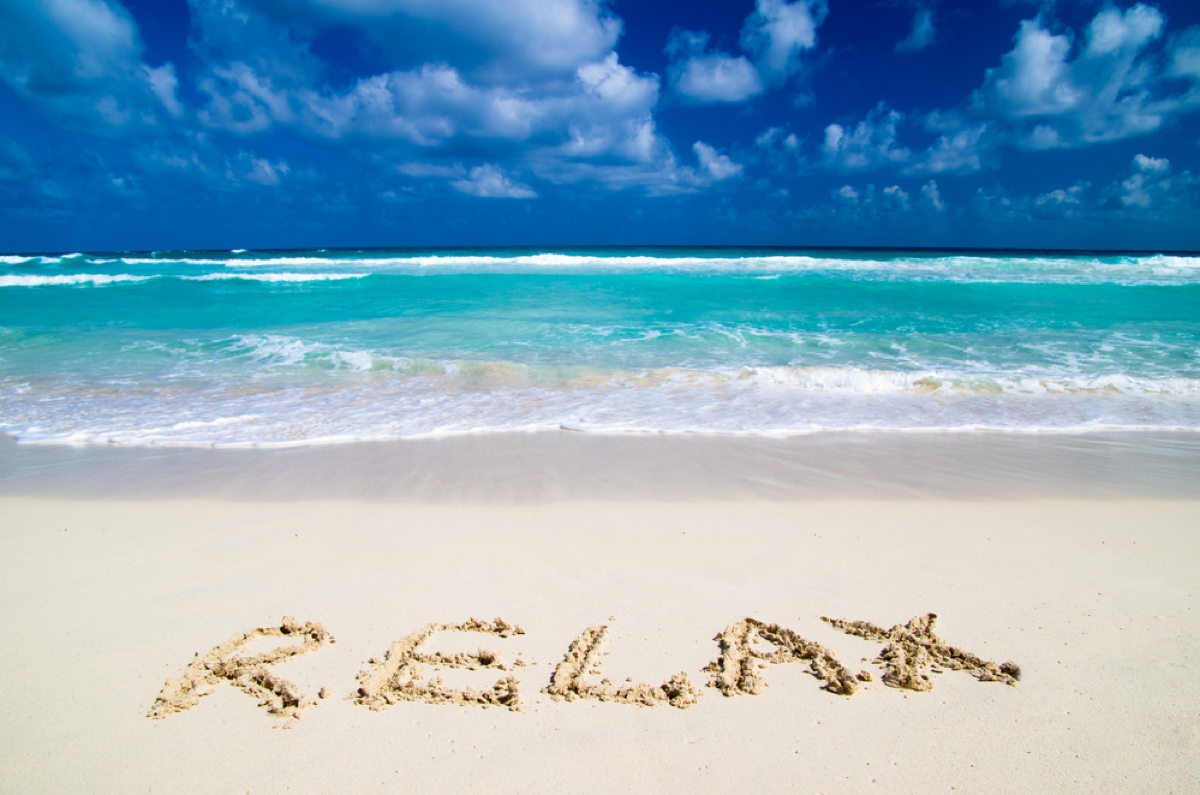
[105, 599]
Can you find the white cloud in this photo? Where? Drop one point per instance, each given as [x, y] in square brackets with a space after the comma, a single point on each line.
[932, 197]
[922, 33]
[1149, 192]
[777, 32]
[1147, 179]
[713, 164]
[496, 41]
[869, 144]
[896, 198]
[1185, 54]
[1043, 136]
[604, 111]
[959, 152]
[703, 77]
[717, 77]
[780, 150]
[1156, 166]
[1033, 78]
[164, 84]
[1152, 191]
[777, 137]
[81, 60]
[661, 175]
[845, 195]
[591, 110]
[773, 36]
[891, 204]
[243, 100]
[489, 182]
[1102, 93]
[1060, 201]
[264, 171]
[1112, 32]
[196, 156]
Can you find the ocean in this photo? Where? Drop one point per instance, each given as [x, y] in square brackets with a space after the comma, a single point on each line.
[284, 348]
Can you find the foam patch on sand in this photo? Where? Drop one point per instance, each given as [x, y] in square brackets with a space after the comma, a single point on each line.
[913, 649]
[400, 675]
[567, 683]
[279, 696]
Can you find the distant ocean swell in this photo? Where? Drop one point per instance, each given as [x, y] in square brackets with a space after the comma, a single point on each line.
[292, 348]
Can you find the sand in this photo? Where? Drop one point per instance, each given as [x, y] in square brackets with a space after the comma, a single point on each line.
[666, 644]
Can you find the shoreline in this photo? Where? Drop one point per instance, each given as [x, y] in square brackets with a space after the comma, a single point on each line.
[549, 466]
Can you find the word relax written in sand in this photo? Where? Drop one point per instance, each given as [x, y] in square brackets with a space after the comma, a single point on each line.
[911, 652]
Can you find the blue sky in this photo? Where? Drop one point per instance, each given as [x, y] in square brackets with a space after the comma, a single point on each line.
[146, 124]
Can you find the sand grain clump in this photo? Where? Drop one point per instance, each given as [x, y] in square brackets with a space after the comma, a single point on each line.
[913, 648]
[400, 675]
[279, 696]
[567, 683]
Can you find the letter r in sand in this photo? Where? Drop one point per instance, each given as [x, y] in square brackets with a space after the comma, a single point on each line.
[279, 696]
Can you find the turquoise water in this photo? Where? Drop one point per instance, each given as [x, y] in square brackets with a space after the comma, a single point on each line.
[300, 347]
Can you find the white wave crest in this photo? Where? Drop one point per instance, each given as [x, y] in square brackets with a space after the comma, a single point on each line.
[277, 350]
[74, 279]
[23, 280]
[1151, 269]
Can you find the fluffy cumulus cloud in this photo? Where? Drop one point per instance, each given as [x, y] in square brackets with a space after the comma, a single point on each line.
[961, 148]
[1057, 90]
[1123, 76]
[490, 182]
[81, 61]
[709, 77]
[890, 204]
[262, 170]
[528, 80]
[896, 197]
[777, 32]
[932, 197]
[773, 37]
[715, 166]
[1185, 54]
[871, 143]
[661, 175]
[492, 41]
[1150, 192]
[1060, 203]
[1149, 178]
[520, 99]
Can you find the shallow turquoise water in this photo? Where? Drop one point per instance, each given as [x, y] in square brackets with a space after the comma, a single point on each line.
[303, 347]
